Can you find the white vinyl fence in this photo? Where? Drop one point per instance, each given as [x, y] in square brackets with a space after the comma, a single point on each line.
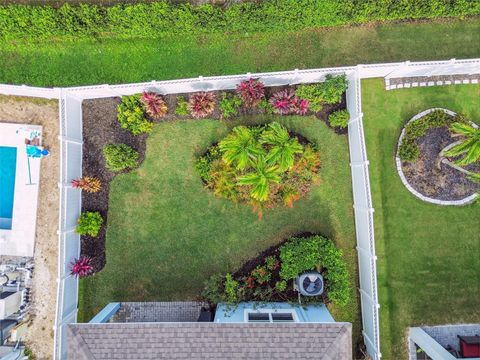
[70, 106]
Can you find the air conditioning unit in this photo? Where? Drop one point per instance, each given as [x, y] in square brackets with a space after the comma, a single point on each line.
[310, 283]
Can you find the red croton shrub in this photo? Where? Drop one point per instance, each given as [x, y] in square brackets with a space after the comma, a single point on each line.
[81, 267]
[88, 184]
[201, 104]
[154, 105]
[285, 102]
[251, 92]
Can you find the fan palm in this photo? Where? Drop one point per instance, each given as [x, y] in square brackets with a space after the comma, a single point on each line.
[282, 147]
[470, 146]
[260, 179]
[240, 148]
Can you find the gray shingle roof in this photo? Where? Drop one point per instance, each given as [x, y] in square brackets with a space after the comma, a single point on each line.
[212, 341]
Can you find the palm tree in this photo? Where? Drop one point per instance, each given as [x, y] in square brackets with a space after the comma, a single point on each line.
[260, 179]
[470, 146]
[282, 147]
[241, 148]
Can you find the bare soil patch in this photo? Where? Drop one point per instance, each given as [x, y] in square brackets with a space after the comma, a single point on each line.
[39, 336]
[432, 178]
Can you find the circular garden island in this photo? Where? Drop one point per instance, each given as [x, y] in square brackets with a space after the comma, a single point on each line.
[438, 157]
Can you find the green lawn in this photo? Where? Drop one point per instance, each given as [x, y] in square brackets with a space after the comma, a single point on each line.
[167, 234]
[428, 255]
[65, 63]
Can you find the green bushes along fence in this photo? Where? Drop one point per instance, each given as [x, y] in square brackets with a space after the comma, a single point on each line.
[162, 18]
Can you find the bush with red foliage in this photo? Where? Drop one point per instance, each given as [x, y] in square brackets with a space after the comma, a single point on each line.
[88, 184]
[251, 91]
[201, 104]
[285, 102]
[81, 267]
[154, 105]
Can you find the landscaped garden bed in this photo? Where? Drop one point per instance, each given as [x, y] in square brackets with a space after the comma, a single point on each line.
[113, 122]
[430, 162]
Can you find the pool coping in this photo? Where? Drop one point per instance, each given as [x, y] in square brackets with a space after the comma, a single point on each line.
[20, 240]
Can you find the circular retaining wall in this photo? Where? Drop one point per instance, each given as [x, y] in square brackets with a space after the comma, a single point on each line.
[398, 161]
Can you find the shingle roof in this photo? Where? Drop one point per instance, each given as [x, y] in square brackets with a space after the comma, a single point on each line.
[209, 341]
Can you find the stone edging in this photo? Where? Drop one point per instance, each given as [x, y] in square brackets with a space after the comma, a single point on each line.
[398, 161]
[412, 84]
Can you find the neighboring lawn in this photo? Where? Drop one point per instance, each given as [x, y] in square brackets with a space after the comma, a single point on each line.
[428, 255]
[167, 233]
[82, 62]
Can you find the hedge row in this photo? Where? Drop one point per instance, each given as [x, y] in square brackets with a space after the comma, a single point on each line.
[162, 18]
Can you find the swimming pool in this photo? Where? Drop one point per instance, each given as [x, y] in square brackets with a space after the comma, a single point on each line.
[8, 165]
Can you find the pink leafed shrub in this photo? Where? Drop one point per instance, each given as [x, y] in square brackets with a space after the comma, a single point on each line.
[201, 104]
[81, 267]
[251, 91]
[154, 105]
[300, 106]
[285, 102]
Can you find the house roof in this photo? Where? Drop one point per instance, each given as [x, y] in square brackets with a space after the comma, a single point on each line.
[212, 341]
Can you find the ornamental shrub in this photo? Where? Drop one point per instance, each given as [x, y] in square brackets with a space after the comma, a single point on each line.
[333, 88]
[313, 94]
[88, 184]
[251, 92]
[89, 223]
[119, 157]
[81, 267]
[285, 102]
[182, 106]
[317, 253]
[154, 105]
[131, 115]
[408, 151]
[229, 105]
[339, 119]
[231, 289]
[201, 104]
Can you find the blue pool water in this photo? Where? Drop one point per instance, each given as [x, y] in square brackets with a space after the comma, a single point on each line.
[8, 166]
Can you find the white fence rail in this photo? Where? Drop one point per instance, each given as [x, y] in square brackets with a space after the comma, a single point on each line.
[70, 108]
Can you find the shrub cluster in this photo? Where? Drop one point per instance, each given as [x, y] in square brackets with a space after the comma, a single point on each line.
[409, 150]
[264, 166]
[229, 105]
[164, 18]
[119, 157]
[339, 119]
[328, 92]
[131, 115]
[275, 275]
[89, 223]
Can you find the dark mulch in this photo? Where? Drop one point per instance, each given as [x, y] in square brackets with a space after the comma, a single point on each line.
[289, 295]
[432, 178]
[100, 127]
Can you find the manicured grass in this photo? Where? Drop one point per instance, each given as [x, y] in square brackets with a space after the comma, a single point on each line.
[428, 255]
[167, 233]
[67, 63]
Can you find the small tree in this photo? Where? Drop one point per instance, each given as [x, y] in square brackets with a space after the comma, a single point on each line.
[81, 267]
[469, 147]
[240, 148]
[260, 179]
[89, 223]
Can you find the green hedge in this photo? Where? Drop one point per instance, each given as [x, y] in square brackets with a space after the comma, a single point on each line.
[161, 18]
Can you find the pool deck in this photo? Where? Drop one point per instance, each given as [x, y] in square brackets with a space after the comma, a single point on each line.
[20, 240]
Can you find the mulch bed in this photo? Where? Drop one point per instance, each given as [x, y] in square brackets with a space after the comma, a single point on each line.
[288, 295]
[100, 127]
[432, 178]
